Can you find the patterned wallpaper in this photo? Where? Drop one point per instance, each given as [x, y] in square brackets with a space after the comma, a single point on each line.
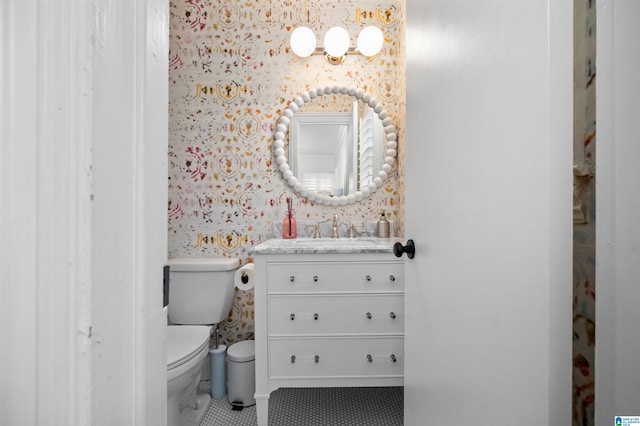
[231, 76]
[584, 253]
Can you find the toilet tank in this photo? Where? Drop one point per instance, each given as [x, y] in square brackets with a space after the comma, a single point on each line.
[201, 289]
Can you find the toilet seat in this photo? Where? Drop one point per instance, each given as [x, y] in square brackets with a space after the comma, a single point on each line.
[184, 343]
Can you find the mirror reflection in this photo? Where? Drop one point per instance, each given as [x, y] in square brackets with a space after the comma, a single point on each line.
[335, 145]
[336, 153]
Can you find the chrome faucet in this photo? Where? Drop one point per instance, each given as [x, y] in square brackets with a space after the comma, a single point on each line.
[335, 226]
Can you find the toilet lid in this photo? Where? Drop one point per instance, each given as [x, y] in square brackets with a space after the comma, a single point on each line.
[185, 342]
[242, 351]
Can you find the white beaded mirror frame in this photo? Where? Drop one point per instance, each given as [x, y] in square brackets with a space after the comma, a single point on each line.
[280, 136]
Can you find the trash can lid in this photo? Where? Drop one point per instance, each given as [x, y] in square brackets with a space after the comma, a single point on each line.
[242, 351]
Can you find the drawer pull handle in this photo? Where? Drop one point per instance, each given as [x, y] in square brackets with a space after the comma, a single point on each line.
[368, 278]
[368, 315]
[393, 358]
[292, 278]
[315, 317]
[293, 359]
[369, 358]
[392, 315]
[317, 358]
[292, 316]
[392, 278]
[315, 278]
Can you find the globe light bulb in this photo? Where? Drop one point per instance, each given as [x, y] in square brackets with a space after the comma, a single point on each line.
[303, 42]
[370, 41]
[336, 42]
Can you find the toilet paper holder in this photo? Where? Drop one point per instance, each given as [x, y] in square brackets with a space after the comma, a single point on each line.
[243, 278]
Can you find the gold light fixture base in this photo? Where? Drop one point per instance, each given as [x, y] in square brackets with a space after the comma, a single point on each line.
[334, 60]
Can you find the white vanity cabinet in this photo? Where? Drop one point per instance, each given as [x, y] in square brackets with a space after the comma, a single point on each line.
[328, 318]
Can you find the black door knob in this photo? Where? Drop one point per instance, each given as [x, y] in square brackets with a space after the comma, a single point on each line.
[410, 249]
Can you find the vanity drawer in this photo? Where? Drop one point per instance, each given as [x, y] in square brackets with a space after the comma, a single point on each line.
[335, 276]
[336, 314]
[336, 357]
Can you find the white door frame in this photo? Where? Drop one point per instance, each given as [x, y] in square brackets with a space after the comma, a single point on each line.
[617, 370]
[83, 188]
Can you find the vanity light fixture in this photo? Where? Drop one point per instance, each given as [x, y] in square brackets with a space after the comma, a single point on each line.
[337, 43]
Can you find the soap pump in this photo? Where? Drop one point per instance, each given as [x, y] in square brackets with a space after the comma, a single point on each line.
[383, 226]
[289, 225]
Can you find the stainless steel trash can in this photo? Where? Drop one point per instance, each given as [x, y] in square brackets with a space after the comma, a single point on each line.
[241, 373]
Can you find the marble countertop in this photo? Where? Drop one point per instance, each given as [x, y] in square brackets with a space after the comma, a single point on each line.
[325, 245]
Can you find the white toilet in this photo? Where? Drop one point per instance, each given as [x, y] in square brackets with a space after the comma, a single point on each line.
[200, 295]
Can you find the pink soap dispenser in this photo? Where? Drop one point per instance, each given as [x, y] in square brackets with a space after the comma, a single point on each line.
[289, 225]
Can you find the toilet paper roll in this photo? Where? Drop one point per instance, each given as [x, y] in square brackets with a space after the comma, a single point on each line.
[244, 277]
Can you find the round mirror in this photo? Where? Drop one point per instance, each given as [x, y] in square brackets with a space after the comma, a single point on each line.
[360, 161]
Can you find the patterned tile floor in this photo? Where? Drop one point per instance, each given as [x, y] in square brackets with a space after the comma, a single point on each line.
[317, 407]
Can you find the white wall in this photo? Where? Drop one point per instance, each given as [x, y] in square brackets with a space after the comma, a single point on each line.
[618, 212]
[83, 178]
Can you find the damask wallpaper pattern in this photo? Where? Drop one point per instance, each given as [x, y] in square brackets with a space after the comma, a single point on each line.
[584, 230]
[231, 76]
